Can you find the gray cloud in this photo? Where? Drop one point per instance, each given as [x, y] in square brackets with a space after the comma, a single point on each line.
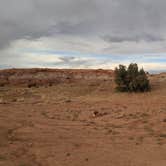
[72, 62]
[85, 26]
[122, 20]
[21, 19]
[132, 38]
[67, 59]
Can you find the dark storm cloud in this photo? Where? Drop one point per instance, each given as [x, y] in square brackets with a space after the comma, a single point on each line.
[37, 18]
[132, 38]
[118, 20]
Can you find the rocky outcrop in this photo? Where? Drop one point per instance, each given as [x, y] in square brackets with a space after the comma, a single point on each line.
[34, 77]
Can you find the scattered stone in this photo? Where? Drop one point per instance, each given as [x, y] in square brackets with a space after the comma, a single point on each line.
[21, 99]
[2, 101]
[164, 120]
[10, 142]
[29, 115]
[30, 144]
[68, 101]
[97, 114]
[51, 117]
[162, 135]
[68, 154]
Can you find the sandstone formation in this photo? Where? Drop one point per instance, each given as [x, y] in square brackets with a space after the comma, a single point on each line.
[35, 77]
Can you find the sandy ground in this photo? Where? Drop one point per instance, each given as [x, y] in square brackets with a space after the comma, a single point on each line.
[83, 124]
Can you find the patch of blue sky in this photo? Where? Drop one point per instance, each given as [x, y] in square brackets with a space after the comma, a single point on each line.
[3, 66]
[148, 58]
[51, 52]
[155, 60]
[71, 53]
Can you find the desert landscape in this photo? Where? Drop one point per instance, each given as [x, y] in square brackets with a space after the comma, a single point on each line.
[76, 118]
[83, 83]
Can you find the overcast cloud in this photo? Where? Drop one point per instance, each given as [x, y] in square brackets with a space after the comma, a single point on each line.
[100, 28]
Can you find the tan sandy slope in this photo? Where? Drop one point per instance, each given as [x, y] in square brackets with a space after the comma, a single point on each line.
[81, 122]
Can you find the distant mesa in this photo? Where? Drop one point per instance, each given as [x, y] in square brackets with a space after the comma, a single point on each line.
[37, 77]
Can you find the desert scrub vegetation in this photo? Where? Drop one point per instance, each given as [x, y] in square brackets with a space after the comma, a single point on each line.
[131, 79]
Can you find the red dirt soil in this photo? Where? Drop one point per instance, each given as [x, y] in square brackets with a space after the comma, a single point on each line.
[77, 119]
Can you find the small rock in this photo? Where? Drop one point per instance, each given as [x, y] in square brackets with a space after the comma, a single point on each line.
[164, 120]
[21, 99]
[30, 144]
[10, 142]
[2, 101]
[14, 100]
[95, 113]
[29, 115]
[68, 154]
[68, 101]
[162, 135]
[51, 117]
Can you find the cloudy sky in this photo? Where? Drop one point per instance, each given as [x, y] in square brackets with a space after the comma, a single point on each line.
[83, 33]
